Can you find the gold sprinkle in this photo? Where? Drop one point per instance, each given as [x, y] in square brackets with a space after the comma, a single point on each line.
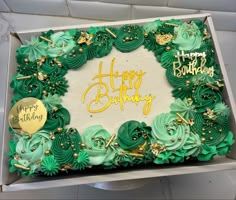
[110, 140]
[163, 39]
[203, 140]
[23, 77]
[145, 34]
[75, 155]
[59, 129]
[135, 155]
[170, 24]
[55, 109]
[112, 34]
[46, 39]
[21, 167]
[83, 145]
[47, 152]
[212, 86]
[183, 120]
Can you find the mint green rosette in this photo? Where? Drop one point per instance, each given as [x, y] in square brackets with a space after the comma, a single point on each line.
[95, 138]
[33, 50]
[168, 133]
[62, 43]
[31, 150]
[52, 101]
[188, 36]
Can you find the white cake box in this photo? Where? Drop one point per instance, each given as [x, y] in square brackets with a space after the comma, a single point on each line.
[12, 182]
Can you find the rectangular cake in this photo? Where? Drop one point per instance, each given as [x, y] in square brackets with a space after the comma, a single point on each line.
[116, 101]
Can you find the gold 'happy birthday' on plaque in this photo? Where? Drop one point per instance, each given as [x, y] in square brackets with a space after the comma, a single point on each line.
[27, 116]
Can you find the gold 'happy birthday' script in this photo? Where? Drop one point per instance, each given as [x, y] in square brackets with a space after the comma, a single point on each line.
[107, 92]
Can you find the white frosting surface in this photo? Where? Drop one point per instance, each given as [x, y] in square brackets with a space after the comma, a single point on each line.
[154, 82]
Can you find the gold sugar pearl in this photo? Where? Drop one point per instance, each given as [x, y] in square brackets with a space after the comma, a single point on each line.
[47, 152]
[59, 129]
[81, 50]
[203, 139]
[83, 145]
[75, 155]
[145, 34]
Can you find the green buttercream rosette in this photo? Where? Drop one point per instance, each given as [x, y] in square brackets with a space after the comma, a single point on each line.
[57, 119]
[95, 138]
[167, 58]
[163, 158]
[30, 87]
[52, 101]
[75, 59]
[133, 134]
[52, 68]
[222, 109]
[226, 145]
[168, 133]
[129, 38]
[55, 85]
[31, 150]
[50, 166]
[66, 146]
[62, 43]
[82, 161]
[188, 36]
[33, 49]
[207, 153]
[27, 69]
[206, 97]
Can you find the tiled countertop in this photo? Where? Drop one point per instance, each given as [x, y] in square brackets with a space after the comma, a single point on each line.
[217, 185]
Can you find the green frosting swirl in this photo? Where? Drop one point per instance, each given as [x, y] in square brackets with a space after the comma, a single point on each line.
[178, 156]
[31, 149]
[163, 158]
[104, 42]
[226, 145]
[27, 69]
[57, 119]
[188, 36]
[150, 42]
[167, 59]
[66, 146]
[193, 145]
[95, 138]
[133, 134]
[30, 87]
[50, 166]
[222, 109]
[206, 97]
[56, 85]
[75, 59]
[207, 153]
[183, 107]
[62, 43]
[33, 49]
[168, 133]
[152, 26]
[215, 130]
[129, 38]
[51, 101]
[82, 161]
[51, 68]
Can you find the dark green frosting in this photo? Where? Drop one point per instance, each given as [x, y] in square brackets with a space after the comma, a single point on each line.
[207, 153]
[57, 119]
[30, 87]
[82, 161]
[226, 145]
[65, 145]
[132, 134]
[129, 38]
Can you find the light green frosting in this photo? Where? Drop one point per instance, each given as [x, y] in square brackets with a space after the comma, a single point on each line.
[222, 109]
[62, 42]
[188, 36]
[193, 145]
[168, 133]
[51, 101]
[34, 49]
[50, 166]
[82, 161]
[95, 138]
[183, 107]
[32, 149]
[152, 26]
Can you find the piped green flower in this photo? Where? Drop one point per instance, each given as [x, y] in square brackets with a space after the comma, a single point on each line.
[82, 161]
[50, 166]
